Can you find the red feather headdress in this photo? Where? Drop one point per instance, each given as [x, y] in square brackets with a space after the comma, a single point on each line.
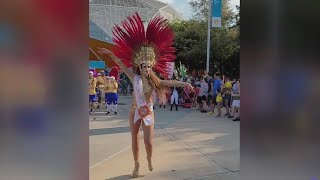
[135, 46]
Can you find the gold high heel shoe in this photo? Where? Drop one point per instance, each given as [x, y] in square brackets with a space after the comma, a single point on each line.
[135, 172]
[150, 165]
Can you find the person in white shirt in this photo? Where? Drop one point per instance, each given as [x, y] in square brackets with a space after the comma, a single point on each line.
[236, 100]
[203, 93]
[174, 98]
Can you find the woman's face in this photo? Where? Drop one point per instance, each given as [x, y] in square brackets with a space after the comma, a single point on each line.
[145, 69]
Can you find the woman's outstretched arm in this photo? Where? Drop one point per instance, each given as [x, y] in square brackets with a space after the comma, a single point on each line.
[118, 62]
[174, 83]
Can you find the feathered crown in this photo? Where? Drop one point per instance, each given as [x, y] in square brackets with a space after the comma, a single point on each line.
[135, 46]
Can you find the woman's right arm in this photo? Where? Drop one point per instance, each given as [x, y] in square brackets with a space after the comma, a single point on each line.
[118, 62]
[123, 67]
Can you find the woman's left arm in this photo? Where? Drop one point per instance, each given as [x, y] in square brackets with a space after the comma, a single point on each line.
[174, 83]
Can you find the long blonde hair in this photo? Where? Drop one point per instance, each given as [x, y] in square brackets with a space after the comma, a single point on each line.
[155, 82]
[160, 90]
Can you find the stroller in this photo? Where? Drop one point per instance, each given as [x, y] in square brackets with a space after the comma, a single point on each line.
[188, 97]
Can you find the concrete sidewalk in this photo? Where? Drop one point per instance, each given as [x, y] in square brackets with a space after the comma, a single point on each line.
[187, 145]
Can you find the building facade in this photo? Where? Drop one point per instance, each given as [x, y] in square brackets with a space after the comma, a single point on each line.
[103, 14]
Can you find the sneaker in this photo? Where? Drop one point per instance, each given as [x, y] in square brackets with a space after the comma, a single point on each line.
[237, 119]
[108, 112]
[226, 115]
[203, 111]
[230, 116]
[210, 112]
[115, 113]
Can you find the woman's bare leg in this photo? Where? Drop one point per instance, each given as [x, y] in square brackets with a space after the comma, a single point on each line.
[135, 136]
[148, 138]
[135, 127]
[219, 109]
[226, 102]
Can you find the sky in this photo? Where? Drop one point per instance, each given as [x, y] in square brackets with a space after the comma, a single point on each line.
[183, 7]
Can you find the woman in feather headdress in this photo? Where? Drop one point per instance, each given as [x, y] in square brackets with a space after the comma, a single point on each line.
[146, 52]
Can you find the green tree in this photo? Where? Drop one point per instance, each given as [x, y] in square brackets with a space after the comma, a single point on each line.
[200, 8]
[191, 40]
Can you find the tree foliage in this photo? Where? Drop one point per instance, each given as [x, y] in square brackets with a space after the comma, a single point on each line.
[200, 8]
[191, 40]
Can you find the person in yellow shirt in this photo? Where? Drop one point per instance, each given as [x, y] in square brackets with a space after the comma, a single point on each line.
[92, 91]
[112, 95]
[105, 90]
[101, 81]
[219, 102]
[227, 96]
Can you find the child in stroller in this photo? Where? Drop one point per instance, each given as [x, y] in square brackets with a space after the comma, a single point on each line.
[187, 98]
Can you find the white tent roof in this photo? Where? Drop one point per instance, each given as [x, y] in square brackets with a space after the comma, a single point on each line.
[104, 14]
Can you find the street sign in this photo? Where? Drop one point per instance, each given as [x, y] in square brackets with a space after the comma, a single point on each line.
[97, 64]
[216, 13]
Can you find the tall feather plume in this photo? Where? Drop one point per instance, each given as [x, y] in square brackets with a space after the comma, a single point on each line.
[161, 36]
[132, 35]
[128, 37]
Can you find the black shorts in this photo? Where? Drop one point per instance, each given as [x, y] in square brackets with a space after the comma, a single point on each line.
[227, 97]
[201, 98]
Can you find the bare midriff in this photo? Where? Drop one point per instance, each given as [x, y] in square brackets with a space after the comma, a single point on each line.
[134, 103]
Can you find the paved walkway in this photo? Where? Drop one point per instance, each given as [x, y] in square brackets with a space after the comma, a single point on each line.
[187, 145]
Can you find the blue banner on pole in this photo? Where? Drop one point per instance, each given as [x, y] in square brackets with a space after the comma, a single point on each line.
[216, 13]
[97, 64]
